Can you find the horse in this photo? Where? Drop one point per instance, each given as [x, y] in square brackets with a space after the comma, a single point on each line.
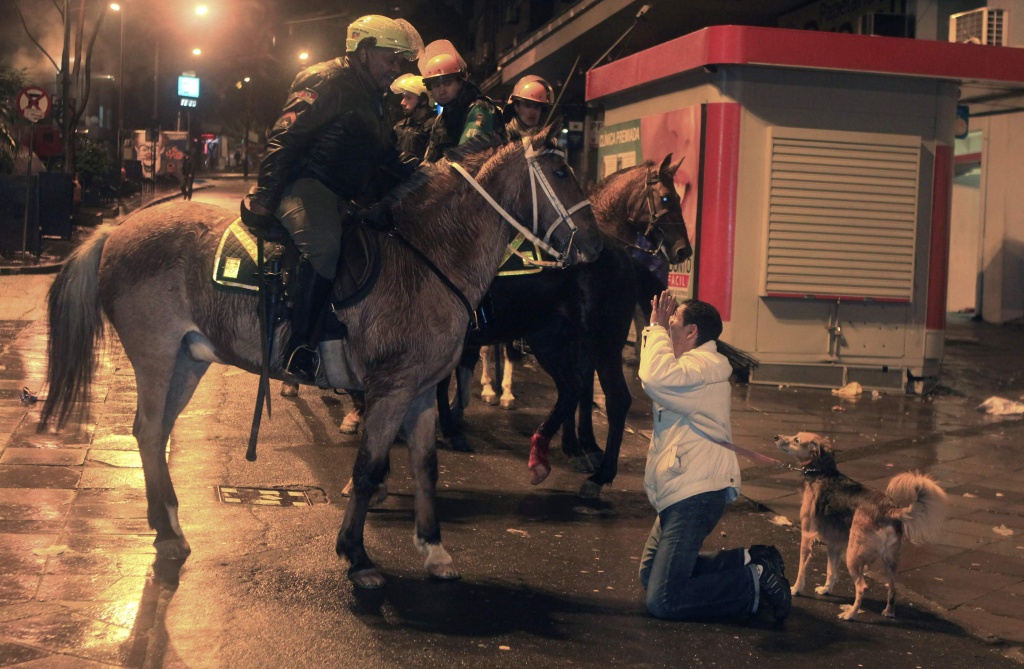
[150, 279]
[577, 322]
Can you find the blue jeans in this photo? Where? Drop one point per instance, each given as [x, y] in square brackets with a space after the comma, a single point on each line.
[682, 583]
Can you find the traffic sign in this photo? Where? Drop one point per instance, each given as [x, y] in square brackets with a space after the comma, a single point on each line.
[33, 103]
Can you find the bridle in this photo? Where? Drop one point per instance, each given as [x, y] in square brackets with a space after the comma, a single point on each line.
[537, 179]
[653, 233]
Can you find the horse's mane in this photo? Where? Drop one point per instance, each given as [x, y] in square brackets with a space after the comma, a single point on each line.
[477, 148]
[605, 193]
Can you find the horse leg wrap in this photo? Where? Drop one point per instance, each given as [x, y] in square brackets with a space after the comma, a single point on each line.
[539, 464]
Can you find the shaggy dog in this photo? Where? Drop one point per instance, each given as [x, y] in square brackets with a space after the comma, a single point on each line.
[862, 523]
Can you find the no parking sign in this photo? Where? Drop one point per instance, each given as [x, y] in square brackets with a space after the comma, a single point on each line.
[33, 103]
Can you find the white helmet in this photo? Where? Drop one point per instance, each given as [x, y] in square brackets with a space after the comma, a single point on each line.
[396, 34]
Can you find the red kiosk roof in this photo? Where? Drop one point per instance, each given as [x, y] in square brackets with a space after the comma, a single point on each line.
[808, 49]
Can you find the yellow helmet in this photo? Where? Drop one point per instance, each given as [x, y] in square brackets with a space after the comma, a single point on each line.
[408, 83]
[396, 34]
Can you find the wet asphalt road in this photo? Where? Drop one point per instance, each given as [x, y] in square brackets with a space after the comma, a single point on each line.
[547, 581]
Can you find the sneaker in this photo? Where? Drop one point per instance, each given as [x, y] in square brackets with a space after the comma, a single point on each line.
[775, 592]
[768, 557]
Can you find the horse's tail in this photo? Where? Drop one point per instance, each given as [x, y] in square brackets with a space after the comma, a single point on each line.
[76, 328]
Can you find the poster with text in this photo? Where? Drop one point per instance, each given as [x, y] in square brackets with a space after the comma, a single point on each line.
[678, 132]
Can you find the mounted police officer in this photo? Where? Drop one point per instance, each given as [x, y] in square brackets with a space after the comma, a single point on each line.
[465, 111]
[331, 142]
[413, 131]
[531, 99]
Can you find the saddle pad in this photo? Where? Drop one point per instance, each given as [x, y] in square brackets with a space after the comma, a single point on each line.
[234, 264]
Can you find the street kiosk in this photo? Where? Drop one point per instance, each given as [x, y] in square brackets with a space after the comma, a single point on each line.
[816, 184]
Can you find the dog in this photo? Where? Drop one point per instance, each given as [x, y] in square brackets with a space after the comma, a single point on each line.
[863, 523]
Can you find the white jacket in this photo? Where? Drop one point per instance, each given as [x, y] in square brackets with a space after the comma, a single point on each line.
[692, 409]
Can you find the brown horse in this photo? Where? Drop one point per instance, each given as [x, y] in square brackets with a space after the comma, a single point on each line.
[577, 322]
[150, 278]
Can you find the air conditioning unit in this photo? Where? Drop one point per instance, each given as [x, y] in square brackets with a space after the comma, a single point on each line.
[986, 25]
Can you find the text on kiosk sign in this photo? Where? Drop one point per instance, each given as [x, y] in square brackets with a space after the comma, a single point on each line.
[622, 136]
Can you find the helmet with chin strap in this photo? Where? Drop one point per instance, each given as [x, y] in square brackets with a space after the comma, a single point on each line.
[381, 31]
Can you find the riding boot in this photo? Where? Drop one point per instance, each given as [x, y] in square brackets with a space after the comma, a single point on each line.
[302, 358]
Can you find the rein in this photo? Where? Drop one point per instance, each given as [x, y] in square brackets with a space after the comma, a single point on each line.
[655, 214]
[564, 215]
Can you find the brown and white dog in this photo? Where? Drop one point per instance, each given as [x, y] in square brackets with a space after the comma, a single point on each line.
[863, 523]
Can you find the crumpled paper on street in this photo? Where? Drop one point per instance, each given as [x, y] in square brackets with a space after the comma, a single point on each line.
[851, 389]
[1000, 406]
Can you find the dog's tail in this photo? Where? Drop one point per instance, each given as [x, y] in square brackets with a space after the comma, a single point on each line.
[922, 505]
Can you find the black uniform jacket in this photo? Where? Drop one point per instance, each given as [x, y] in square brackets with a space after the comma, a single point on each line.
[335, 128]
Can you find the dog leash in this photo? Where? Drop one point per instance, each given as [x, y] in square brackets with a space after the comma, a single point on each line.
[757, 457]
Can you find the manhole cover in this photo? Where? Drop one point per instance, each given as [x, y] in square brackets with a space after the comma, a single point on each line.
[270, 496]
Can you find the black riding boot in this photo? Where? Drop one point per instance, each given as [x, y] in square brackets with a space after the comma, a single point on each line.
[302, 359]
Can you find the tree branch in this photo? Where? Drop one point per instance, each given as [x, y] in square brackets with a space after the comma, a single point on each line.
[31, 36]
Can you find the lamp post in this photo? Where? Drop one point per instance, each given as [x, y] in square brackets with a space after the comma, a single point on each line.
[120, 87]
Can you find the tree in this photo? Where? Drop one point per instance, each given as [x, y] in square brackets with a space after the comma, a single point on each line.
[76, 82]
[11, 81]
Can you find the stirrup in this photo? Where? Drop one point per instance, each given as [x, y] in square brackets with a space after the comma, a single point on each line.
[303, 365]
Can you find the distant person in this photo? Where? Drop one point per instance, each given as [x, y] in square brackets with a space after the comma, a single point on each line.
[465, 111]
[238, 158]
[691, 475]
[188, 176]
[413, 131]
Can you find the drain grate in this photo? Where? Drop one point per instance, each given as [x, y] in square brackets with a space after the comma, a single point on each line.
[270, 496]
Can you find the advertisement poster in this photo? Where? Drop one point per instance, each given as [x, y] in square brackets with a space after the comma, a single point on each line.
[652, 138]
[170, 151]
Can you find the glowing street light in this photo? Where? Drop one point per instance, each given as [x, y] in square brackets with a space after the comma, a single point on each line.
[202, 10]
[197, 52]
[304, 55]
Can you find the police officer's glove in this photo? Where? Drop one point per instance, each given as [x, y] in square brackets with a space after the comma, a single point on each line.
[264, 226]
[377, 216]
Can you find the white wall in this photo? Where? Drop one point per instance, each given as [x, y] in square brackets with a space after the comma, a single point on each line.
[1002, 216]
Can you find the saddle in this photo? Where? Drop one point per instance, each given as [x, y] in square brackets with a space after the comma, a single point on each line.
[235, 270]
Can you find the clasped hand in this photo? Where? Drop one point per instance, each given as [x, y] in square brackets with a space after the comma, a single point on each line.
[662, 308]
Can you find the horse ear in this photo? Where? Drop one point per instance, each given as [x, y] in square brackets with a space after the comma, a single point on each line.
[549, 135]
[667, 171]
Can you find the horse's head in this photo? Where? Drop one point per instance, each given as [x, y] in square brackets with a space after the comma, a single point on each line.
[561, 213]
[659, 215]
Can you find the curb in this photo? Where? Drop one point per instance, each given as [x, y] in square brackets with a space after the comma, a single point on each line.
[53, 268]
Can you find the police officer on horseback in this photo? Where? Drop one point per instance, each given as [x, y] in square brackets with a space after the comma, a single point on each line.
[331, 142]
[413, 130]
[531, 98]
[465, 111]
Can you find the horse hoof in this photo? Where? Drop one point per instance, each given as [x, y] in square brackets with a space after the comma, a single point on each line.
[581, 464]
[508, 404]
[289, 389]
[589, 490]
[367, 579]
[439, 563]
[349, 425]
[461, 445]
[489, 398]
[538, 473]
[172, 549]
